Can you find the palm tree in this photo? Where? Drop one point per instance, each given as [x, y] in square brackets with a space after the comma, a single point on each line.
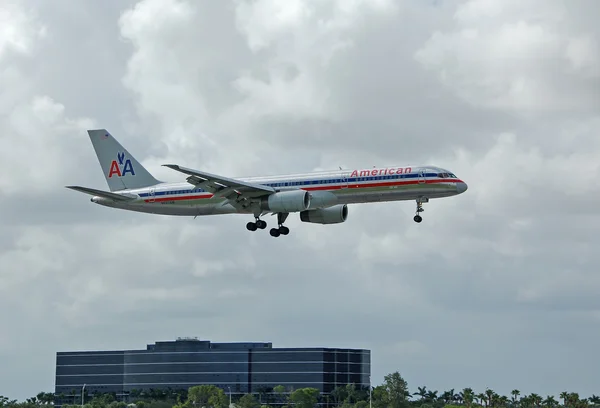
[536, 399]
[502, 400]
[447, 396]
[422, 392]
[515, 394]
[573, 399]
[431, 396]
[550, 402]
[564, 396]
[594, 399]
[489, 395]
[467, 396]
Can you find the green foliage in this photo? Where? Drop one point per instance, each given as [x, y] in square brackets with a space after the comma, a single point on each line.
[208, 396]
[393, 393]
[248, 401]
[305, 397]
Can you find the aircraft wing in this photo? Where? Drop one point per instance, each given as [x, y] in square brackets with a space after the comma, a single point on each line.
[104, 194]
[222, 186]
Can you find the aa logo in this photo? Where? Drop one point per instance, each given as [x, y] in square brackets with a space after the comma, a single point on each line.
[120, 167]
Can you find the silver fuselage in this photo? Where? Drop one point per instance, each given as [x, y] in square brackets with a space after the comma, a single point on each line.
[392, 183]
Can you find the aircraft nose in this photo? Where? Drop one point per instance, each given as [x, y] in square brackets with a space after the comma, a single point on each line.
[461, 187]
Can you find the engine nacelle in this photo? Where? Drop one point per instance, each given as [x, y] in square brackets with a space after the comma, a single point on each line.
[286, 201]
[331, 215]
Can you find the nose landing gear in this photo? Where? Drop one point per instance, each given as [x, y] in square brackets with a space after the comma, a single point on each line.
[417, 218]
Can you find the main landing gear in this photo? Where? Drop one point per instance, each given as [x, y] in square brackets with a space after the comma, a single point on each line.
[275, 232]
[258, 224]
[420, 209]
[282, 230]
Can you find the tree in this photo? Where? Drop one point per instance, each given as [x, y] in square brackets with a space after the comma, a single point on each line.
[305, 397]
[339, 395]
[489, 395]
[422, 392]
[431, 396]
[396, 390]
[448, 397]
[515, 394]
[482, 398]
[564, 396]
[248, 401]
[379, 397]
[280, 391]
[206, 395]
[351, 394]
[550, 402]
[467, 396]
[264, 394]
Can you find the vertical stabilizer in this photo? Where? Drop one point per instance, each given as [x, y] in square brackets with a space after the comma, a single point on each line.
[121, 170]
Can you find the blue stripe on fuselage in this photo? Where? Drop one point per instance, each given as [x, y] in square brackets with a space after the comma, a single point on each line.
[302, 183]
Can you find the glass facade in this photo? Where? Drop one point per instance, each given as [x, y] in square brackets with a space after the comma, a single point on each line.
[238, 368]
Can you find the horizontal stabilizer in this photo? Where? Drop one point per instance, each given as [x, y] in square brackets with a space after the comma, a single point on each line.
[104, 194]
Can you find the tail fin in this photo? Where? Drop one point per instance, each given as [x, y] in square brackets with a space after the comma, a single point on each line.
[121, 170]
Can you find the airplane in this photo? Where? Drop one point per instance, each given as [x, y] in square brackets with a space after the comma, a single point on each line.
[318, 197]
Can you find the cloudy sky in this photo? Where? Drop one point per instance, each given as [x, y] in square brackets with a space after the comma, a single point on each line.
[496, 288]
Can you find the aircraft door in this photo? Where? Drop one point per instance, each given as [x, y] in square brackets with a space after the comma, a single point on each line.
[422, 176]
[151, 195]
[345, 180]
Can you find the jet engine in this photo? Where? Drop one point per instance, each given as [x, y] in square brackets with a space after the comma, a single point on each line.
[331, 215]
[286, 201]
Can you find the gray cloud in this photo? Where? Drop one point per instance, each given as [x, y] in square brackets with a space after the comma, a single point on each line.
[496, 288]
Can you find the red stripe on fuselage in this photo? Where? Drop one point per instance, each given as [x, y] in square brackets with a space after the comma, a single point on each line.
[320, 188]
[381, 184]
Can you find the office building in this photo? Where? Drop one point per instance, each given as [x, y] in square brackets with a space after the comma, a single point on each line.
[237, 368]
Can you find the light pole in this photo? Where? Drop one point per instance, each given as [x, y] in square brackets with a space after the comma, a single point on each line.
[229, 396]
[82, 391]
[370, 389]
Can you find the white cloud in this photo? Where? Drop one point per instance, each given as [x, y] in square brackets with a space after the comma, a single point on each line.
[513, 55]
[41, 146]
[584, 54]
[19, 29]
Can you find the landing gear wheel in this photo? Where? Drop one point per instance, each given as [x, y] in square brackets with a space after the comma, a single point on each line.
[282, 229]
[420, 209]
[258, 224]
